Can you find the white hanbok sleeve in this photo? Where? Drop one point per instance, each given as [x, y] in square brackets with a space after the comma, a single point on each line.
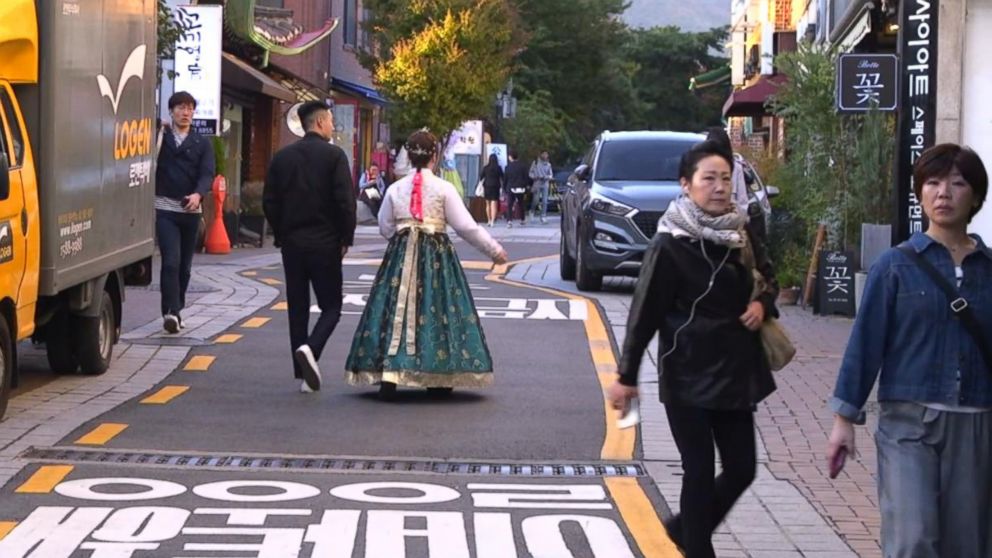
[387, 221]
[461, 220]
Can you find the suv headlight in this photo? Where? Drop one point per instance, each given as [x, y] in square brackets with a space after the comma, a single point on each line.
[603, 204]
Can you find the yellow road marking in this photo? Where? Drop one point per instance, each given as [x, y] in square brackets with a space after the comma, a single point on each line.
[641, 518]
[45, 479]
[6, 527]
[271, 281]
[164, 395]
[249, 273]
[618, 444]
[102, 434]
[478, 266]
[280, 306]
[255, 322]
[199, 363]
[228, 338]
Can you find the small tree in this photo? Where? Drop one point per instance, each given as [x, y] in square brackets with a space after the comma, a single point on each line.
[169, 31]
[838, 169]
[448, 69]
[538, 126]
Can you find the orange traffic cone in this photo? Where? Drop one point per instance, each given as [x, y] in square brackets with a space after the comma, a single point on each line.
[216, 241]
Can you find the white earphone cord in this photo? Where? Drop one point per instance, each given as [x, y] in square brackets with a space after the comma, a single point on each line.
[692, 310]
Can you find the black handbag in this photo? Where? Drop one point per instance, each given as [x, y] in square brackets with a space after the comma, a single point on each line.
[959, 306]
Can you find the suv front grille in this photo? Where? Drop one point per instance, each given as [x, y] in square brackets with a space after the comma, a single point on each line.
[647, 222]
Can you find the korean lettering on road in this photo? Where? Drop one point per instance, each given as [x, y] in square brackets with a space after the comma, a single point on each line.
[546, 516]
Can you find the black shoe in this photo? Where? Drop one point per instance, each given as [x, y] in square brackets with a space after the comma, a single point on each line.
[170, 323]
[387, 391]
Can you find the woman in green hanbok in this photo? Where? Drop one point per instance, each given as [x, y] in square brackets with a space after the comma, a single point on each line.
[420, 327]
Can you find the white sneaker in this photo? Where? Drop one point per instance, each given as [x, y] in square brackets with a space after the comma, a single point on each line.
[304, 388]
[544, 221]
[308, 366]
[170, 323]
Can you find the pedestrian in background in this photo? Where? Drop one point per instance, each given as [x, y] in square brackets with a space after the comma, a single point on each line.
[737, 179]
[309, 200]
[420, 327]
[541, 175]
[934, 436]
[517, 185]
[695, 288]
[371, 188]
[492, 185]
[183, 176]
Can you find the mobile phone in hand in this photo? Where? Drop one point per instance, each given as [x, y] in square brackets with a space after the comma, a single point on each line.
[631, 415]
[837, 463]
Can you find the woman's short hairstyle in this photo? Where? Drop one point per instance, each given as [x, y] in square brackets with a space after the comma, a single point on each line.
[421, 146]
[940, 160]
[690, 159]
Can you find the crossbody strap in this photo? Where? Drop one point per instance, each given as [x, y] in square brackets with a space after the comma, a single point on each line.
[959, 306]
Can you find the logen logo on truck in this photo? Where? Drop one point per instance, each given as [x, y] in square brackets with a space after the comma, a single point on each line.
[131, 137]
[6, 243]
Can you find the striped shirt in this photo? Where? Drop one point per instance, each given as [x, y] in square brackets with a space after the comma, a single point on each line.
[170, 204]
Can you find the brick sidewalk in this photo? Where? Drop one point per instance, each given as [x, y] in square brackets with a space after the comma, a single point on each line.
[793, 509]
[795, 424]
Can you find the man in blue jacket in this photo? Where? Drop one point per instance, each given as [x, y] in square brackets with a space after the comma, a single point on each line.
[183, 177]
[309, 199]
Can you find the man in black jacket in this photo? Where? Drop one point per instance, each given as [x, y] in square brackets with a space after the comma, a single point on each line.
[183, 177]
[517, 184]
[309, 200]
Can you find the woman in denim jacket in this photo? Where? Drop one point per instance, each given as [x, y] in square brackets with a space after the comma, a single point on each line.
[934, 434]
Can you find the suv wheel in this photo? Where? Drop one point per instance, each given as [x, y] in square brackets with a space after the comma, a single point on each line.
[566, 263]
[585, 278]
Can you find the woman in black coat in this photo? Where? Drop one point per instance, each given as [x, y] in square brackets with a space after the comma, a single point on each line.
[696, 288]
[492, 183]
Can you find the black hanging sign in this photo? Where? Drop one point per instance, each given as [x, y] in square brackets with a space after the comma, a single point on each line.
[918, 102]
[866, 82]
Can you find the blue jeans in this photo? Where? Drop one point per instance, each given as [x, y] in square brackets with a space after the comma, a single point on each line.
[176, 241]
[540, 193]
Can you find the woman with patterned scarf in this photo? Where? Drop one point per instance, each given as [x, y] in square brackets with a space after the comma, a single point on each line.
[420, 327]
[696, 288]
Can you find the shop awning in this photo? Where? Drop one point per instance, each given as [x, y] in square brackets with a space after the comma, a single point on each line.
[356, 90]
[18, 41]
[303, 89]
[710, 78]
[750, 101]
[239, 74]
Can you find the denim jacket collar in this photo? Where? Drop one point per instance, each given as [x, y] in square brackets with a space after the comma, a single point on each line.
[921, 241]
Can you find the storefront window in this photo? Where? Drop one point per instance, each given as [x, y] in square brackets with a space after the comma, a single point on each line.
[345, 132]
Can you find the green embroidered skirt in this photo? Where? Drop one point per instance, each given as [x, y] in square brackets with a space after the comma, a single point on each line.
[420, 328]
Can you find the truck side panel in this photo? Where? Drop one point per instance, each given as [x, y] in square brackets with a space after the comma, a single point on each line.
[94, 133]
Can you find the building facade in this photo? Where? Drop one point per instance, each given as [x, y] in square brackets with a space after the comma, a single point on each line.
[759, 31]
[358, 106]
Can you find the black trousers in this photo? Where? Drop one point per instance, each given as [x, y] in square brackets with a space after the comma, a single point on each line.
[706, 499]
[514, 201]
[320, 269]
[176, 234]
